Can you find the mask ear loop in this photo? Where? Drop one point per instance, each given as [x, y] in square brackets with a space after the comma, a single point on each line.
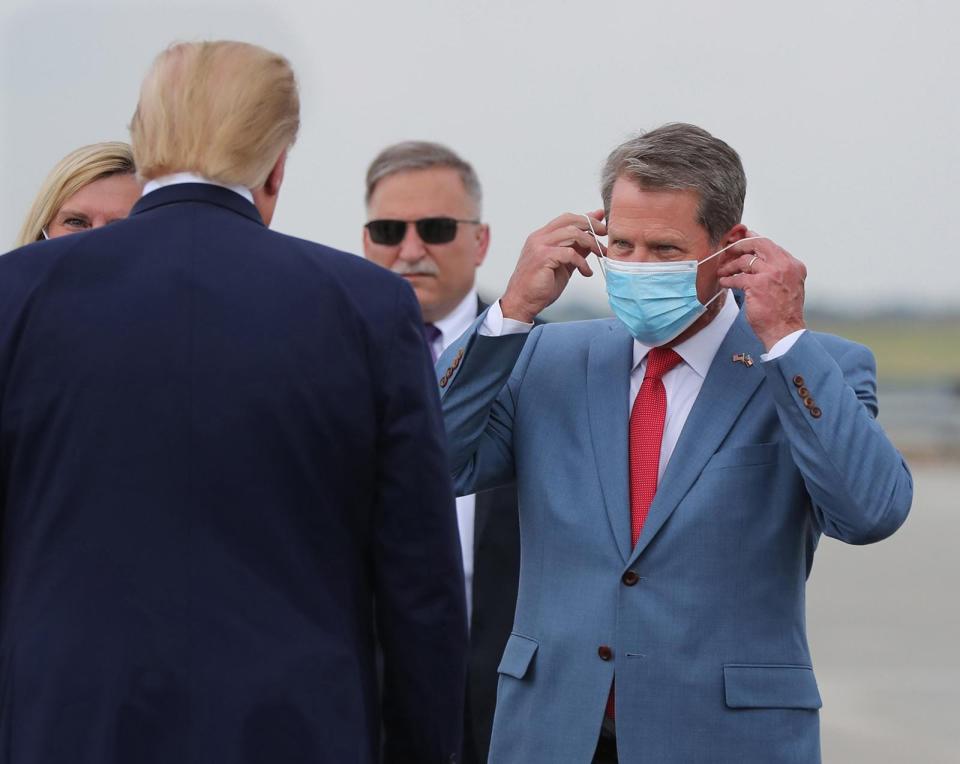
[732, 244]
[719, 251]
[603, 269]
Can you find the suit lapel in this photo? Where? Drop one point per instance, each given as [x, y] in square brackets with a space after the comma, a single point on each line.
[608, 389]
[724, 394]
[481, 507]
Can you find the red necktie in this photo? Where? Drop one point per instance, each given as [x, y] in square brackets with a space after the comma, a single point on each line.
[646, 437]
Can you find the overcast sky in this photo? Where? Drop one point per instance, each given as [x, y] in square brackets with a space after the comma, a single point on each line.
[846, 114]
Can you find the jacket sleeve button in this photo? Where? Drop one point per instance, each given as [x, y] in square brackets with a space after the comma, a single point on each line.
[798, 381]
[815, 412]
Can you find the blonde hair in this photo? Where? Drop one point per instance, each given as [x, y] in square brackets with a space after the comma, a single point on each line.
[77, 169]
[225, 110]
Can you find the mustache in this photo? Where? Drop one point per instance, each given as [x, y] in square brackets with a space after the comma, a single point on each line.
[422, 267]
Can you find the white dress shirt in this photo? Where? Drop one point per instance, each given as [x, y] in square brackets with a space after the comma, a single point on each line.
[451, 326]
[192, 177]
[682, 383]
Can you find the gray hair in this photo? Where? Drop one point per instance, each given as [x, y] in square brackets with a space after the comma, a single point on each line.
[681, 156]
[422, 155]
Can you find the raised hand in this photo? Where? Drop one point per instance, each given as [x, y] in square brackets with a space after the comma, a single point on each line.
[549, 257]
[772, 283]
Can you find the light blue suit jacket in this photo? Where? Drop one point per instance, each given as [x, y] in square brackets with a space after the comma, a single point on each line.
[709, 645]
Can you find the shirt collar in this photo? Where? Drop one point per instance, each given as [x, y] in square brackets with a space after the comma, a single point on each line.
[190, 177]
[699, 350]
[458, 320]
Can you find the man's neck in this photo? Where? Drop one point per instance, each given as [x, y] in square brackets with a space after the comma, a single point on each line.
[459, 319]
[712, 311]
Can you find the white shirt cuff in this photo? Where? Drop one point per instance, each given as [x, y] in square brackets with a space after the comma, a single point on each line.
[782, 346]
[495, 325]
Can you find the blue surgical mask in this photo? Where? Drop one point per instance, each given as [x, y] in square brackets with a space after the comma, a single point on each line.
[655, 301]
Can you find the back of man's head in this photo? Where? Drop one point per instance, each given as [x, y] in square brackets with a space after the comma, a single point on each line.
[224, 110]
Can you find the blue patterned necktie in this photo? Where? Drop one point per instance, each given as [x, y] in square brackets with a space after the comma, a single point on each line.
[431, 334]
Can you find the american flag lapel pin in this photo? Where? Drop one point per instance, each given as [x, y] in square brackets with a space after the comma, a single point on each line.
[743, 358]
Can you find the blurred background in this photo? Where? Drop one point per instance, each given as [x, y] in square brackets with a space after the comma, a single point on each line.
[842, 112]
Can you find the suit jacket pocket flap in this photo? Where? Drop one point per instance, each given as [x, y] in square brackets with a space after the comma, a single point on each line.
[770, 686]
[517, 656]
[745, 456]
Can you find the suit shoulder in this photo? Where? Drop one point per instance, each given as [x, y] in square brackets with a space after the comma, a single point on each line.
[840, 347]
[349, 265]
[372, 288]
[24, 268]
[576, 331]
[567, 341]
[35, 256]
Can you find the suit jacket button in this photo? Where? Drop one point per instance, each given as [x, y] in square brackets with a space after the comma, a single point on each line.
[443, 382]
[460, 353]
[803, 392]
[604, 652]
[798, 381]
[630, 578]
[815, 412]
[456, 362]
[808, 402]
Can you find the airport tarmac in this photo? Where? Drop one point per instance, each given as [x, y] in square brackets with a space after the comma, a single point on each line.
[884, 628]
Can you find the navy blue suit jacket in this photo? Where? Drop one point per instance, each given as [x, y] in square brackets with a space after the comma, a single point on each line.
[220, 454]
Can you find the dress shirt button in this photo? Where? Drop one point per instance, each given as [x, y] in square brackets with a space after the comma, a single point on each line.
[803, 392]
[630, 578]
[798, 381]
[604, 652]
[815, 412]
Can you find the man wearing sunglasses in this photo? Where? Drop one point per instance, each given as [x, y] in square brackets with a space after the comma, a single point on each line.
[424, 210]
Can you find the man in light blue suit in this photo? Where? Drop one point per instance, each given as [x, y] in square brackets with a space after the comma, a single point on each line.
[675, 467]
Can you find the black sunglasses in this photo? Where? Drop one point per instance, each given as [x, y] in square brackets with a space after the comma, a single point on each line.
[430, 230]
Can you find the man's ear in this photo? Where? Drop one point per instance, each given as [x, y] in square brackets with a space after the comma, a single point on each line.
[739, 231]
[271, 185]
[367, 243]
[265, 197]
[483, 243]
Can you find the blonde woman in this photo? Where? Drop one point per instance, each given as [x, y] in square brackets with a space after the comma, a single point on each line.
[88, 188]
